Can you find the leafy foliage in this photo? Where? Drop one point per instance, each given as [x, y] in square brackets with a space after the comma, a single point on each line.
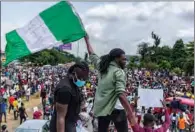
[165, 65]
[177, 71]
[151, 66]
[52, 57]
[156, 39]
[179, 58]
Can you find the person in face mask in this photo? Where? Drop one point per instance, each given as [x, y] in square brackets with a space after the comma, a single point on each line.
[67, 99]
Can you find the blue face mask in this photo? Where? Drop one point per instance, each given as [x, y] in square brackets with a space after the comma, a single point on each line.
[79, 83]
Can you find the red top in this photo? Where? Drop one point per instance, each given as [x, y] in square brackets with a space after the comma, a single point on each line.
[163, 128]
[2, 90]
[37, 115]
[157, 110]
[11, 99]
[190, 117]
[25, 82]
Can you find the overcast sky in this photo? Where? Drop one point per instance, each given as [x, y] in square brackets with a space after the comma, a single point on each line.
[113, 24]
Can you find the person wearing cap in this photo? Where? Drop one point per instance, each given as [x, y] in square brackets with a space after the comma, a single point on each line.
[68, 99]
[149, 122]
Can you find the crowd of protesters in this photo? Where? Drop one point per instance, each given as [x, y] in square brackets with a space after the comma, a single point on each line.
[18, 84]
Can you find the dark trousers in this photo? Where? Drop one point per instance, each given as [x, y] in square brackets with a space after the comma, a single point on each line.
[173, 127]
[70, 126]
[11, 107]
[118, 117]
[15, 114]
[180, 130]
[22, 119]
[1, 116]
[43, 103]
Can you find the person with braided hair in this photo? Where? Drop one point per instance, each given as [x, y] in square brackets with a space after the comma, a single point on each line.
[110, 102]
[68, 98]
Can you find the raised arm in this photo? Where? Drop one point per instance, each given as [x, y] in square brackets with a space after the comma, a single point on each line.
[89, 48]
[167, 122]
[92, 56]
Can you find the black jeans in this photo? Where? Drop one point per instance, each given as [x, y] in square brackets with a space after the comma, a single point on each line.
[69, 126]
[22, 118]
[15, 115]
[11, 107]
[1, 116]
[118, 117]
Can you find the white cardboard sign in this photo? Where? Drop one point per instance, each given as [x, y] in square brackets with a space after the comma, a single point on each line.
[150, 97]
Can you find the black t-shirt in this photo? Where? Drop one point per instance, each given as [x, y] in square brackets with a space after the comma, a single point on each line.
[21, 111]
[67, 93]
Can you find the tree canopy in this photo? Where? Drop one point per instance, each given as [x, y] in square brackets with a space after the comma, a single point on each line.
[50, 56]
[179, 58]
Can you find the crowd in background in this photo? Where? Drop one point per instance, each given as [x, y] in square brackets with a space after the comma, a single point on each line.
[18, 84]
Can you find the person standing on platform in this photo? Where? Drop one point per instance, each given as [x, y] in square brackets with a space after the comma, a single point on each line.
[110, 102]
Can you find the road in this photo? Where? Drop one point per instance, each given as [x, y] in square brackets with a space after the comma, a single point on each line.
[34, 101]
[13, 124]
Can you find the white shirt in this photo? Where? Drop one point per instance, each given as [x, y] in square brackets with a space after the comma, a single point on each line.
[28, 92]
[12, 91]
[118, 105]
[3, 79]
[25, 87]
[5, 95]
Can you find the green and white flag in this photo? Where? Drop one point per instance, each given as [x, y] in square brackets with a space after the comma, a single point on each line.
[59, 24]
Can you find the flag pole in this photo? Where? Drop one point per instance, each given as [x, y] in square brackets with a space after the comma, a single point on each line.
[77, 48]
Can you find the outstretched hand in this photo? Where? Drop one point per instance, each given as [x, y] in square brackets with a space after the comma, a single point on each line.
[136, 98]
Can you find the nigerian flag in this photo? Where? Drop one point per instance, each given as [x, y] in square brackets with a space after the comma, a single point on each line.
[59, 24]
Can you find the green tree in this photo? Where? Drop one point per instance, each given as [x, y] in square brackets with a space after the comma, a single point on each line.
[179, 54]
[189, 66]
[177, 71]
[143, 49]
[190, 49]
[151, 66]
[133, 62]
[178, 50]
[52, 57]
[156, 38]
[165, 65]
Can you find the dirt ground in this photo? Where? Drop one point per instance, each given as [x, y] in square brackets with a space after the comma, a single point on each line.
[13, 124]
